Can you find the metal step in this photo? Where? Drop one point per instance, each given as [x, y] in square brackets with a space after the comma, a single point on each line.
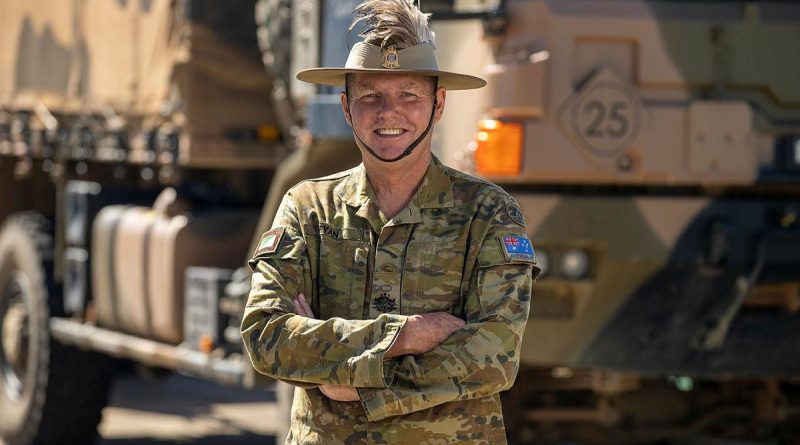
[233, 370]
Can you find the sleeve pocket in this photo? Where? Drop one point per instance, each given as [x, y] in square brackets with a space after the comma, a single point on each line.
[504, 284]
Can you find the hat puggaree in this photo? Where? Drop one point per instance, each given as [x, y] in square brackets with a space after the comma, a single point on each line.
[368, 58]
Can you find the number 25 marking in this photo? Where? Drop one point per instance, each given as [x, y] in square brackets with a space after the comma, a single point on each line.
[604, 123]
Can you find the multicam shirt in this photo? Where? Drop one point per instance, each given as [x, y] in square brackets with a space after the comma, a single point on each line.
[459, 246]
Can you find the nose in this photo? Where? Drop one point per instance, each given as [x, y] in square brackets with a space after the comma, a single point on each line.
[388, 104]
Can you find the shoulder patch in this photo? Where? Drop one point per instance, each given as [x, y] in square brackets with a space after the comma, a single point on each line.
[270, 241]
[515, 214]
[516, 247]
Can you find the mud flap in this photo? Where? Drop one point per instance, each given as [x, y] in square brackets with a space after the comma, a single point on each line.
[686, 320]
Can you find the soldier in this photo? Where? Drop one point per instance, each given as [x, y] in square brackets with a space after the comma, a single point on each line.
[418, 277]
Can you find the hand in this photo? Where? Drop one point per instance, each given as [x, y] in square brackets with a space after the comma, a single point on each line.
[423, 333]
[339, 393]
[302, 307]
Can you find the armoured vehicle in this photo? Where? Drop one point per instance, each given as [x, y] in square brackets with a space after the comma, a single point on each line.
[653, 147]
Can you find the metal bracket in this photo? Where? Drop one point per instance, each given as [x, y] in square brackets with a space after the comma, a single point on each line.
[713, 335]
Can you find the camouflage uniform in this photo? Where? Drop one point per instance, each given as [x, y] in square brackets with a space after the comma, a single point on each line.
[443, 252]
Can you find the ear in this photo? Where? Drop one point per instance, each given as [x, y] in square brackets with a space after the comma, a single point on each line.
[441, 95]
[345, 108]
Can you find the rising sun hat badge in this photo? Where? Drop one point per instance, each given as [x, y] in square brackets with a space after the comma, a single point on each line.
[390, 59]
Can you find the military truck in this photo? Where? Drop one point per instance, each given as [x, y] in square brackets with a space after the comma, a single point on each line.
[653, 147]
[654, 150]
[137, 142]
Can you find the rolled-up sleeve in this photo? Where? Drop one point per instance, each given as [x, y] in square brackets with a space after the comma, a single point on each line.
[300, 350]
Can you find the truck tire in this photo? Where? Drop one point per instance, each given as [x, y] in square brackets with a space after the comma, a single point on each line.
[49, 393]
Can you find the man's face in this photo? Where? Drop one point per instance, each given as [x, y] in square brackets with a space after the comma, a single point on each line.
[390, 111]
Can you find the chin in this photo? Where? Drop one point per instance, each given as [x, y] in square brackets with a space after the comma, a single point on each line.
[390, 152]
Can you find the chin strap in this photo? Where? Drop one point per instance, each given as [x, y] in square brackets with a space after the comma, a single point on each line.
[408, 149]
[413, 145]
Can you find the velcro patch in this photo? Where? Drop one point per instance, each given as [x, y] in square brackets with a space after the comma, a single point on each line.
[517, 247]
[270, 241]
[515, 214]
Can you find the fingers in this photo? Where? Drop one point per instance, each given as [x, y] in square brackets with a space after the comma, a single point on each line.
[306, 306]
[325, 390]
[298, 308]
[340, 393]
[302, 307]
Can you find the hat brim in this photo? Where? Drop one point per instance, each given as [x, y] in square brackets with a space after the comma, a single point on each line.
[336, 76]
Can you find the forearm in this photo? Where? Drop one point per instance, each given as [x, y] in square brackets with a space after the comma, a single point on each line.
[476, 361]
[335, 351]
[461, 368]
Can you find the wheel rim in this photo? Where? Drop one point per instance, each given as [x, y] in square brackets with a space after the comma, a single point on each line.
[15, 331]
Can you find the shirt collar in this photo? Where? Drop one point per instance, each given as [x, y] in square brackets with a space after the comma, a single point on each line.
[434, 192]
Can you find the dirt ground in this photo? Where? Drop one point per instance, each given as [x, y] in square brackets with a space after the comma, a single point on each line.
[182, 410]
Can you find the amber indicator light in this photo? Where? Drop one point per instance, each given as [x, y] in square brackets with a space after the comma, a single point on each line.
[206, 344]
[498, 150]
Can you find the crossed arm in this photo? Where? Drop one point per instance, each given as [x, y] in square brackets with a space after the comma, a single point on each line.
[420, 334]
[437, 357]
[394, 364]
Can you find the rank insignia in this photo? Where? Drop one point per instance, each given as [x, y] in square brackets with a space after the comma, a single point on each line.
[270, 241]
[517, 247]
[384, 303]
[390, 59]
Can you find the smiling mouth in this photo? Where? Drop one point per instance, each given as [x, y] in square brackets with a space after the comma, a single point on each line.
[389, 131]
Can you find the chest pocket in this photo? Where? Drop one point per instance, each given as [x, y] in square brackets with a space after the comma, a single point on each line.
[342, 274]
[432, 278]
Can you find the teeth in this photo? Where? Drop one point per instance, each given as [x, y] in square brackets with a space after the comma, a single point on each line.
[389, 131]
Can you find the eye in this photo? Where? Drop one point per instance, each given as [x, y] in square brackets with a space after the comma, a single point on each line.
[369, 98]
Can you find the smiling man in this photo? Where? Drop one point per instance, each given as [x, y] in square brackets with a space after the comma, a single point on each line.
[393, 295]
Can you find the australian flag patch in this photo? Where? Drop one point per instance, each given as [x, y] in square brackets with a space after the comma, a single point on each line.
[518, 248]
